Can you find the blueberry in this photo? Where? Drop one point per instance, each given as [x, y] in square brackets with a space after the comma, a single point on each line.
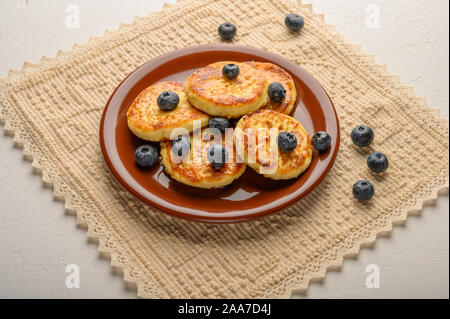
[294, 22]
[363, 190]
[168, 100]
[321, 141]
[219, 123]
[362, 135]
[227, 31]
[287, 141]
[217, 155]
[146, 156]
[181, 146]
[230, 71]
[277, 93]
[377, 162]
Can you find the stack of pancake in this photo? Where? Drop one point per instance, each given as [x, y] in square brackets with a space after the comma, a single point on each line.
[208, 93]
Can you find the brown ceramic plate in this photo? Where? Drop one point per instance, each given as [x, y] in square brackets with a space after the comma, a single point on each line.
[251, 195]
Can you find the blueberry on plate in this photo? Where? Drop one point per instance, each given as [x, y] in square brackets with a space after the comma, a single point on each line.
[276, 91]
[287, 141]
[321, 141]
[377, 162]
[363, 190]
[230, 71]
[146, 156]
[168, 100]
[217, 155]
[362, 135]
[227, 31]
[294, 22]
[181, 146]
[219, 123]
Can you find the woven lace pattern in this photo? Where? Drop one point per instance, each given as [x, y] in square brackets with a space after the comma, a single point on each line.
[53, 110]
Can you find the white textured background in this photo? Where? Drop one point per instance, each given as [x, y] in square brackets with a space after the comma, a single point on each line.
[37, 240]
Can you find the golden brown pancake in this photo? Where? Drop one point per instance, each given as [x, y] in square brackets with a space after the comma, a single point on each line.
[198, 172]
[274, 73]
[208, 90]
[147, 121]
[257, 144]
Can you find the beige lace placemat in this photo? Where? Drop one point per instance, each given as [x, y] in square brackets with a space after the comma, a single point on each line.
[54, 108]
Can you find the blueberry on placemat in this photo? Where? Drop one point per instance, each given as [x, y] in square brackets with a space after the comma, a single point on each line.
[321, 141]
[230, 71]
[377, 162]
[227, 30]
[363, 190]
[276, 91]
[362, 135]
[287, 141]
[168, 100]
[219, 123]
[217, 155]
[294, 22]
[146, 156]
[181, 146]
